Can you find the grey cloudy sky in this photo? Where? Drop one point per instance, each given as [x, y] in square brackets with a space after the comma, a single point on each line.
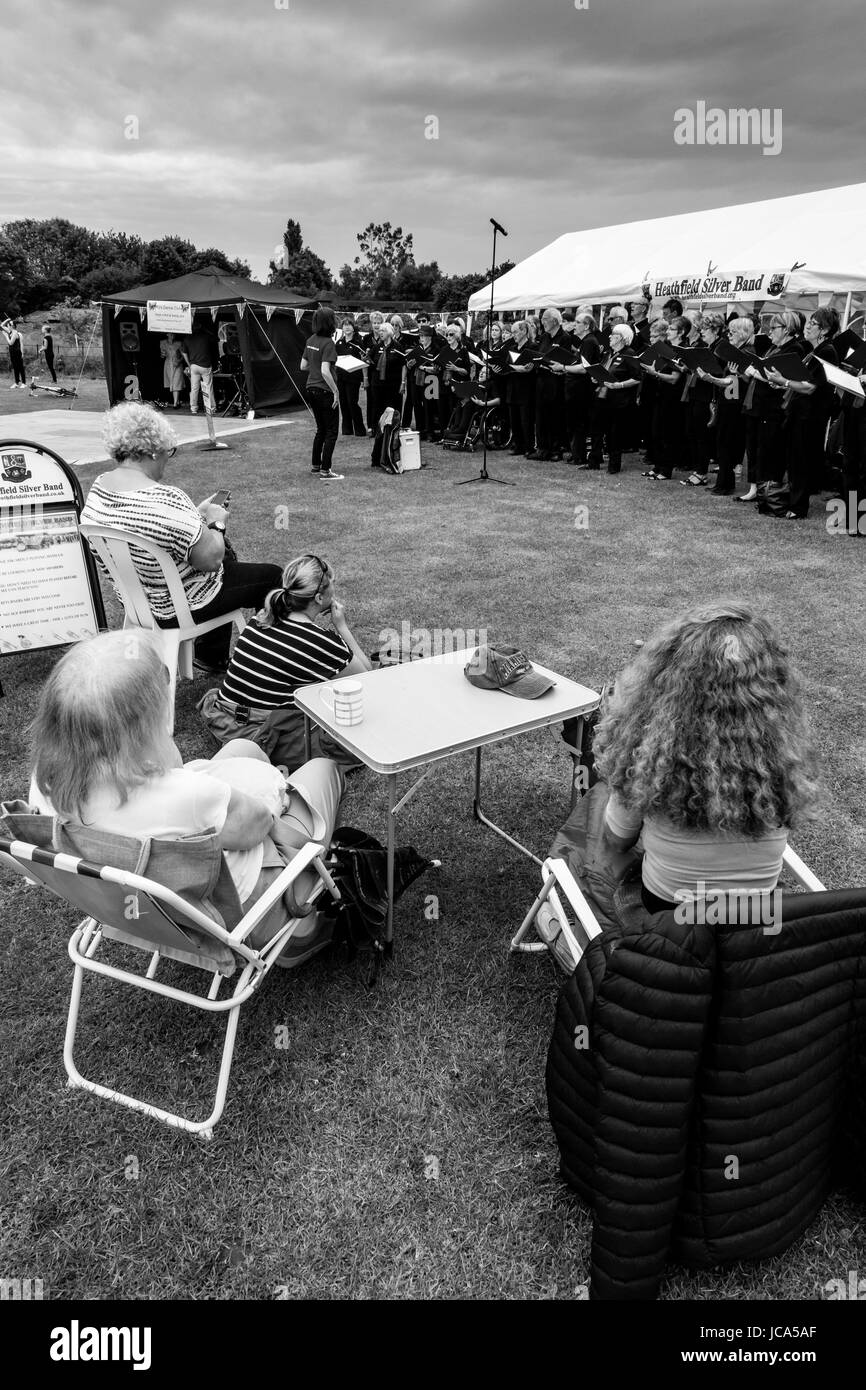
[550, 118]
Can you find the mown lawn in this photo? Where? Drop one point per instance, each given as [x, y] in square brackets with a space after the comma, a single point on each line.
[319, 1181]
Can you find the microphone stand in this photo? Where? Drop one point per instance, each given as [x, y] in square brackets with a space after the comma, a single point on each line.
[484, 476]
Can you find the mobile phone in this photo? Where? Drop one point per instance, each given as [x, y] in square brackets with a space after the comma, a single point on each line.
[222, 498]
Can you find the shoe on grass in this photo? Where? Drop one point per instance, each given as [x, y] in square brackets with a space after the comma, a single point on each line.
[328, 477]
[302, 948]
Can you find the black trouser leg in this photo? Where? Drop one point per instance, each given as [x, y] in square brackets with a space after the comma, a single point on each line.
[244, 585]
[731, 445]
[327, 419]
[617, 434]
[854, 465]
[752, 427]
[49, 362]
[771, 450]
[700, 440]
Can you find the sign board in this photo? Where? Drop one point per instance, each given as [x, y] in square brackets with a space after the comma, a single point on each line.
[721, 287]
[169, 316]
[49, 587]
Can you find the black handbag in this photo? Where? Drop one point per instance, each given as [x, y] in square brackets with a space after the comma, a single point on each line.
[774, 499]
[358, 863]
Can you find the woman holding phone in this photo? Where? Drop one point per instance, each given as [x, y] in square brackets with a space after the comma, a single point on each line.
[300, 636]
[133, 497]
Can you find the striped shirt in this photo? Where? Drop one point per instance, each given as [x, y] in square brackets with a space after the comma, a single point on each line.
[268, 664]
[166, 516]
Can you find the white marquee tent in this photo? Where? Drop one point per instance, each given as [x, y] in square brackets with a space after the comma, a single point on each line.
[806, 244]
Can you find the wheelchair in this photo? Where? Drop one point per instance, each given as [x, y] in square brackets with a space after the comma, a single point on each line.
[486, 424]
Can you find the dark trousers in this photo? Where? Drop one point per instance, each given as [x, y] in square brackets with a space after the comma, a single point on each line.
[327, 419]
[700, 437]
[751, 424]
[854, 467]
[730, 443]
[409, 404]
[806, 460]
[771, 450]
[349, 387]
[16, 359]
[610, 428]
[667, 441]
[549, 424]
[243, 586]
[577, 424]
[49, 362]
[522, 414]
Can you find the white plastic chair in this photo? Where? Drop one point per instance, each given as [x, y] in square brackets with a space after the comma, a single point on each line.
[174, 644]
[567, 941]
[139, 912]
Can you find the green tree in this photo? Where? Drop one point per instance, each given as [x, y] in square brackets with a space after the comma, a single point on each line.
[385, 249]
[453, 291]
[417, 281]
[165, 258]
[350, 283]
[213, 256]
[15, 281]
[302, 271]
[54, 248]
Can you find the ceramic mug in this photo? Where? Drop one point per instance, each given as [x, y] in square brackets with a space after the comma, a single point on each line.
[346, 699]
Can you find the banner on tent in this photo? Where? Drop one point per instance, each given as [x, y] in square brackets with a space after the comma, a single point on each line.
[720, 287]
[169, 316]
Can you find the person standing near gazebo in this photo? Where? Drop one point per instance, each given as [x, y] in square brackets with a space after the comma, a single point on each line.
[16, 354]
[172, 377]
[198, 353]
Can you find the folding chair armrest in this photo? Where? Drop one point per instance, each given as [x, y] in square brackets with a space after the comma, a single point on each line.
[311, 853]
[577, 901]
[801, 872]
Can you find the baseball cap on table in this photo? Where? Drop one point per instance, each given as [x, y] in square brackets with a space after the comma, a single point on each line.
[507, 669]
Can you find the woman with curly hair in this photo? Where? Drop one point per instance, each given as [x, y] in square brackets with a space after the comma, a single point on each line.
[705, 750]
[133, 497]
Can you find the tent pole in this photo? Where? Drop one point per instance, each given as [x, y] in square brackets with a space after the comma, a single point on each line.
[847, 314]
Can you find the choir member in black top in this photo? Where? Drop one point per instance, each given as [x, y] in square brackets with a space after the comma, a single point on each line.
[549, 400]
[387, 373]
[521, 388]
[454, 360]
[670, 411]
[812, 402]
[613, 401]
[349, 383]
[768, 400]
[424, 368]
[731, 423]
[579, 387]
[702, 398]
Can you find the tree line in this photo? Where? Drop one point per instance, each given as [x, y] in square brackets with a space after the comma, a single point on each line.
[51, 261]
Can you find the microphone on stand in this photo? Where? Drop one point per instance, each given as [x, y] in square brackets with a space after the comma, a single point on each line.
[498, 227]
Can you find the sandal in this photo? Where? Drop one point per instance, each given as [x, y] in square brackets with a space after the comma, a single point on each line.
[696, 480]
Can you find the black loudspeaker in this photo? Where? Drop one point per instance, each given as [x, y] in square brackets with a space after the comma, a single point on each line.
[129, 339]
[228, 335]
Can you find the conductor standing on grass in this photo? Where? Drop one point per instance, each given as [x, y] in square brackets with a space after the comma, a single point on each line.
[320, 355]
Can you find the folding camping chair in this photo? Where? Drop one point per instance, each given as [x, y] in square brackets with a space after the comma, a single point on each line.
[137, 911]
[174, 644]
[567, 940]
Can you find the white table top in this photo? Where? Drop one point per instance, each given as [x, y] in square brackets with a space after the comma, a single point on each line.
[422, 711]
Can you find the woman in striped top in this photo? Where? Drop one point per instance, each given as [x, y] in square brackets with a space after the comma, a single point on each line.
[285, 647]
[133, 497]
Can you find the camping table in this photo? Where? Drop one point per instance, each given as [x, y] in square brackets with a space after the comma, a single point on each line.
[420, 712]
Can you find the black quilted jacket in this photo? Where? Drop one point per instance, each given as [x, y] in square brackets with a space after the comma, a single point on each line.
[706, 1086]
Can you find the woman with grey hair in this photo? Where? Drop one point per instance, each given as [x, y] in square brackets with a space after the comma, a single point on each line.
[133, 497]
[768, 400]
[614, 398]
[387, 373]
[103, 757]
[521, 389]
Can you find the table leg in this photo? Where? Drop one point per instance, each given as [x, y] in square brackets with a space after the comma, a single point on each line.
[392, 830]
[479, 814]
[308, 745]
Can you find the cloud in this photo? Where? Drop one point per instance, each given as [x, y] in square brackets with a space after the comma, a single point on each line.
[549, 118]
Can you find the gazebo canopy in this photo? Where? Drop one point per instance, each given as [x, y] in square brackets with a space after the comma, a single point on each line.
[809, 243]
[211, 287]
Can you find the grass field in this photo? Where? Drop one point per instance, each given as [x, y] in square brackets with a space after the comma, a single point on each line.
[319, 1181]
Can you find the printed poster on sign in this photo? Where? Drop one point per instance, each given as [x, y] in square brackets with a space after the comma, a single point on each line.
[169, 316]
[722, 287]
[45, 598]
[28, 477]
